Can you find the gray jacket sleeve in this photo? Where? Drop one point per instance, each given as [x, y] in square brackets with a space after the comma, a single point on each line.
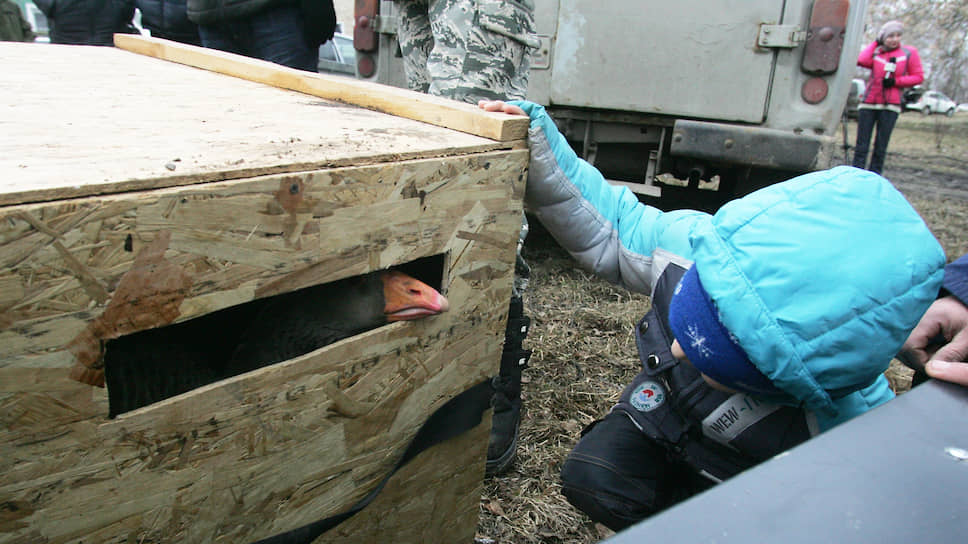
[604, 227]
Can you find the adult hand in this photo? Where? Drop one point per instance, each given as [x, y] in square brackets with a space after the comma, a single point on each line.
[947, 318]
[889, 82]
[498, 105]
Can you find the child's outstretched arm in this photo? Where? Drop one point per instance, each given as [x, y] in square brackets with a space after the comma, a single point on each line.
[603, 226]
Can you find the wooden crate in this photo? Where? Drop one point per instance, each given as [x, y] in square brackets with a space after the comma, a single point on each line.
[136, 192]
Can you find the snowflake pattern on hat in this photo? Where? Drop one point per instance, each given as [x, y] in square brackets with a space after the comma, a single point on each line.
[698, 341]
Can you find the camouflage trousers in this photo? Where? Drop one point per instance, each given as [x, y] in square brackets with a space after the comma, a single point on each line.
[467, 50]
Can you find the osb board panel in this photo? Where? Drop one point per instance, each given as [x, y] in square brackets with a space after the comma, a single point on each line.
[437, 505]
[268, 451]
[183, 252]
[82, 121]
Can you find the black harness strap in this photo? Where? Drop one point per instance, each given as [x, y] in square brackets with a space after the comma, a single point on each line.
[461, 413]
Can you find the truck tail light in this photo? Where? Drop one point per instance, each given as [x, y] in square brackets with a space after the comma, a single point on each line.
[814, 90]
[365, 38]
[365, 65]
[364, 35]
[825, 38]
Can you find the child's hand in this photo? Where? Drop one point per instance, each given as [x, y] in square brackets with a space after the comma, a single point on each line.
[498, 105]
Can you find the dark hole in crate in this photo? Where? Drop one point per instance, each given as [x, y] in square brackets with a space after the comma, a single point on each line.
[153, 365]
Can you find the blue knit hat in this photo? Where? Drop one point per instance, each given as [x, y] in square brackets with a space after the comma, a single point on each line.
[711, 348]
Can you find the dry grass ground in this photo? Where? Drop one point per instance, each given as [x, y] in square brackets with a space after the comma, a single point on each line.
[928, 162]
[584, 351]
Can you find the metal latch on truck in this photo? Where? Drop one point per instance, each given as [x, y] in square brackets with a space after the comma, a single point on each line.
[772, 35]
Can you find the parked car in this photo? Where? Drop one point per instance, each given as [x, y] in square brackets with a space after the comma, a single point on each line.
[934, 102]
[338, 55]
[855, 94]
[962, 108]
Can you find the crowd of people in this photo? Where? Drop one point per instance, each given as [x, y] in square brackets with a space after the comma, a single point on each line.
[740, 318]
[281, 31]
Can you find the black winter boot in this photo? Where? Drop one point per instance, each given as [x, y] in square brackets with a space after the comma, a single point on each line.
[507, 392]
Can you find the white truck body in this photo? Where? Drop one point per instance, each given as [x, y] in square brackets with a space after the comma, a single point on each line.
[692, 102]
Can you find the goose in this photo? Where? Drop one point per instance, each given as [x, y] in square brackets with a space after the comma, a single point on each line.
[149, 366]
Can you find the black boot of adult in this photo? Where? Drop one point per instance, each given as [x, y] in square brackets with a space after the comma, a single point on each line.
[506, 418]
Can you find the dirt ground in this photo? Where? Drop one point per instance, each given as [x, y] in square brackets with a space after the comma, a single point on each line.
[584, 351]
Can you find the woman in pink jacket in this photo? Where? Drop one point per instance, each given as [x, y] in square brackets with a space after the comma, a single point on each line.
[893, 67]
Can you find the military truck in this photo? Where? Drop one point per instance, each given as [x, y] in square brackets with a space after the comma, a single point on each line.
[689, 103]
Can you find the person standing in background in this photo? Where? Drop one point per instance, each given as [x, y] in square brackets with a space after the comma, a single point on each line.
[87, 22]
[473, 50]
[467, 50]
[287, 32]
[893, 67]
[13, 26]
[167, 19]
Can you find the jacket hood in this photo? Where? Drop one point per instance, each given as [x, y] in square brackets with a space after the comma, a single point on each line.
[821, 279]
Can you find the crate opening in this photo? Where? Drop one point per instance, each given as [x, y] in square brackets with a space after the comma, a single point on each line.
[156, 364]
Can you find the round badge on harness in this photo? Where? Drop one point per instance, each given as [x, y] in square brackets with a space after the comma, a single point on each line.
[647, 396]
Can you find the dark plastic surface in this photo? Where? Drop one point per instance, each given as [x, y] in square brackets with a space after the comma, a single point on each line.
[895, 474]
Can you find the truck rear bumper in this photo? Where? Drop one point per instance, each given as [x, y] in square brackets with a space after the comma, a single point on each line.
[753, 146]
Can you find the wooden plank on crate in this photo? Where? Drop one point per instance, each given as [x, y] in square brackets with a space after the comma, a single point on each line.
[400, 102]
[85, 121]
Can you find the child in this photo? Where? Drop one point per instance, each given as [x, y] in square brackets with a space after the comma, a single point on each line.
[771, 321]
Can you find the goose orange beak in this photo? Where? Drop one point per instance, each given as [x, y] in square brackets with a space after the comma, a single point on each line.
[407, 298]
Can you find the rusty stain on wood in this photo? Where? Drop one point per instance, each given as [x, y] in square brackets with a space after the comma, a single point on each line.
[290, 194]
[148, 296]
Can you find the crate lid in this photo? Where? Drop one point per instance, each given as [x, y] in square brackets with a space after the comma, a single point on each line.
[84, 120]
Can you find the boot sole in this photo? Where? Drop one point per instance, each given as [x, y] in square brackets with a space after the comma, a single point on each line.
[493, 467]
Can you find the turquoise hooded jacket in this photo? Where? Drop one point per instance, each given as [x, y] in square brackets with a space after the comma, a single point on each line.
[820, 278]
